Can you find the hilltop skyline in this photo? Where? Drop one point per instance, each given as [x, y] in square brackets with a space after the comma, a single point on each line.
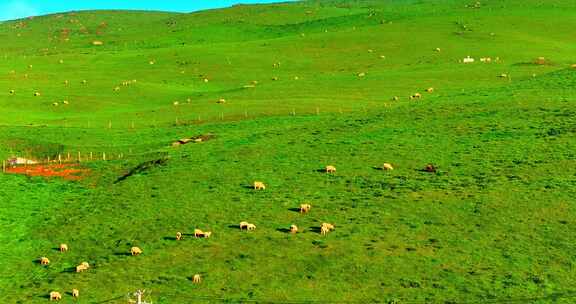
[16, 9]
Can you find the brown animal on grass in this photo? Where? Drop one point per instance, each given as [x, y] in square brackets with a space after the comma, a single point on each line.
[259, 186]
[330, 169]
[198, 233]
[430, 168]
[135, 251]
[416, 96]
[293, 229]
[305, 208]
[55, 296]
[196, 279]
[63, 248]
[44, 261]
[324, 230]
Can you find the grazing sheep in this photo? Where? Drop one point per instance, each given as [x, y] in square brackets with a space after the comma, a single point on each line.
[75, 293]
[29, 66]
[259, 186]
[44, 261]
[430, 90]
[37, 94]
[135, 251]
[254, 82]
[84, 81]
[12, 92]
[324, 230]
[382, 56]
[275, 78]
[387, 167]
[176, 103]
[438, 50]
[152, 62]
[207, 234]
[196, 279]
[362, 74]
[395, 98]
[573, 66]
[97, 42]
[328, 226]
[206, 80]
[251, 227]
[116, 89]
[178, 236]
[63, 248]
[81, 268]
[430, 168]
[55, 104]
[416, 96]
[305, 208]
[65, 102]
[221, 100]
[330, 169]
[85, 264]
[244, 225]
[540, 61]
[503, 76]
[55, 296]
[468, 59]
[293, 229]
[66, 82]
[198, 233]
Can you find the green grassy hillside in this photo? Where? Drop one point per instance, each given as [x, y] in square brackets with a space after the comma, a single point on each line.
[494, 224]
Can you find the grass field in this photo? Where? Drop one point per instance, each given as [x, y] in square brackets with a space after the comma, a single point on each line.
[494, 224]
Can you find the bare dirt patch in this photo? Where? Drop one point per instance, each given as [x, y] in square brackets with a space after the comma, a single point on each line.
[65, 171]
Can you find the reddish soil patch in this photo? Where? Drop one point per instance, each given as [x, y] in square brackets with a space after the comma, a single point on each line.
[65, 171]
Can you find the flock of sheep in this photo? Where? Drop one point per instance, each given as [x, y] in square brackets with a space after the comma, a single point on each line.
[325, 228]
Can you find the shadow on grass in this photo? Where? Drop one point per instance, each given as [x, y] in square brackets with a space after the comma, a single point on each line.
[294, 209]
[283, 230]
[171, 238]
[69, 270]
[234, 227]
[123, 254]
[316, 229]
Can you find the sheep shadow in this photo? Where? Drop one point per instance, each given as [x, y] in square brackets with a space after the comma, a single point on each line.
[44, 297]
[123, 253]
[320, 170]
[55, 248]
[170, 238]
[69, 270]
[234, 227]
[283, 230]
[316, 229]
[294, 209]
